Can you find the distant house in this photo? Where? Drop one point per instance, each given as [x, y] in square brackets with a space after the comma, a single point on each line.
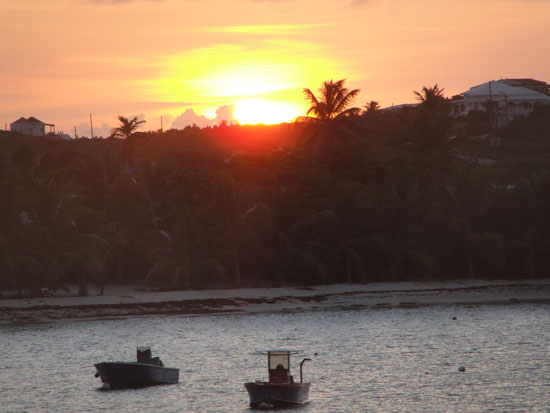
[510, 97]
[395, 108]
[536, 85]
[31, 126]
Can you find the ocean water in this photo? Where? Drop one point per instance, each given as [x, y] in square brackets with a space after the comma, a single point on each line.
[363, 360]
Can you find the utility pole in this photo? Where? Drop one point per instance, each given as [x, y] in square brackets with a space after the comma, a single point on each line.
[75, 135]
[161, 126]
[91, 127]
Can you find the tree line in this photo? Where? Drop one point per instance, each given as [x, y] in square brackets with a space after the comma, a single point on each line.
[347, 195]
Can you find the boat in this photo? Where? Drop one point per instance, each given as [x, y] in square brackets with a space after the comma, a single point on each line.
[146, 371]
[281, 390]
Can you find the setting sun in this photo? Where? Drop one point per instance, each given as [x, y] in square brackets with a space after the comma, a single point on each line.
[254, 111]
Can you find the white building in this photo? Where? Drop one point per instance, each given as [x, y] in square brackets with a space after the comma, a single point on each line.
[511, 101]
[31, 126]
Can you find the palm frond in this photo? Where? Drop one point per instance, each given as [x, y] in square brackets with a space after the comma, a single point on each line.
[349, 112]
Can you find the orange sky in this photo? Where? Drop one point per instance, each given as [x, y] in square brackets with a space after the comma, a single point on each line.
[64, 59]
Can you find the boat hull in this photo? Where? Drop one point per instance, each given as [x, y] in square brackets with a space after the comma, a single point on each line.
[128, 374]
[277, 394]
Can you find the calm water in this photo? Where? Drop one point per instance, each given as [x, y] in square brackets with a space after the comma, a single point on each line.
[393, 359]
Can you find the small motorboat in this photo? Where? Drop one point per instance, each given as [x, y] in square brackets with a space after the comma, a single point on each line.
[146, 371]
[281, 390]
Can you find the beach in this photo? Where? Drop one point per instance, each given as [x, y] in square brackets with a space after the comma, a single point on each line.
[129, 301]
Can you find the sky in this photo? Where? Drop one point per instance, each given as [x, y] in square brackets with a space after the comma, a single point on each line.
[179, 62]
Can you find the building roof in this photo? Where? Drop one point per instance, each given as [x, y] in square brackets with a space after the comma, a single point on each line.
[399, 107]
[32, 119]
[499, 90]
[526, 82]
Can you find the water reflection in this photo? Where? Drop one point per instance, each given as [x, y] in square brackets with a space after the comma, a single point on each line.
[387, 359]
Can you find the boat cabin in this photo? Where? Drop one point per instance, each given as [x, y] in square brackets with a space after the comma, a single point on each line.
[281, 389]
[279, 366]
[145, 356]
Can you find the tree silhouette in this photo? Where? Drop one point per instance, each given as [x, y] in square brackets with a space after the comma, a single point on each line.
[385, 196]
[468, 203]
[189, 259]
[371, 107]
[431, 127]
[430, 97]
[126, 130]
[127, 127]
[333, 100]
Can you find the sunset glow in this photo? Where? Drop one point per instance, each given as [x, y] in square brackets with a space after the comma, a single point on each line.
[263, 81]
[253, 111]
[65, 59]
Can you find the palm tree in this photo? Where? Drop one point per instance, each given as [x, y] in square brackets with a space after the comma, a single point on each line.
[334, 123]
[468, 203]
[430, 97]
[127, 127]
[189, 260]
[404, 221]
[332, 101]
[67, 232]
[371, 107]
[125, 130]
[432, 126]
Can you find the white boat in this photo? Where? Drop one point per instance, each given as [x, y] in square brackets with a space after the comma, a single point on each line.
[281, 390]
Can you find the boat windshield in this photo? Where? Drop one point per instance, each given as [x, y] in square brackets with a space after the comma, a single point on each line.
[278, 358]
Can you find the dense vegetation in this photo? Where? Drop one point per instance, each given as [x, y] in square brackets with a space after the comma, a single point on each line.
[377, 196]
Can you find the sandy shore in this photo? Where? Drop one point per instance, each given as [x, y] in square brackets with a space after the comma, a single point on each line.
[126, 301]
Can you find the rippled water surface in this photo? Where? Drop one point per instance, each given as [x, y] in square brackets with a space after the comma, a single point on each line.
[391, 359]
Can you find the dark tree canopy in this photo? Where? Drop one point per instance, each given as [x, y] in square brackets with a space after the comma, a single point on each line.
[332, 101]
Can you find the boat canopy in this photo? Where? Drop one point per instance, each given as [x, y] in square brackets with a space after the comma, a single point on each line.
[277, 351]
[278, 359]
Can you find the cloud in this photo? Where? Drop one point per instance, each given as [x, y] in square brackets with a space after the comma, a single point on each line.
[83, 130]
[225, 113]
[189, 118]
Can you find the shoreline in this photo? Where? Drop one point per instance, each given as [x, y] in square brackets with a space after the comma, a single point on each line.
[131, 301]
